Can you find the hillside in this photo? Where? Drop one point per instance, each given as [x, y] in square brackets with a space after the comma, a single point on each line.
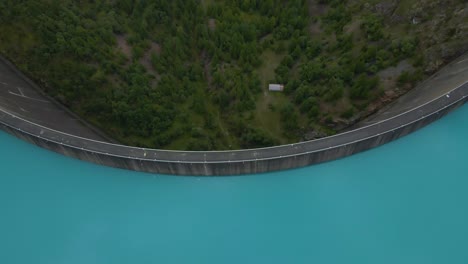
[194, 74]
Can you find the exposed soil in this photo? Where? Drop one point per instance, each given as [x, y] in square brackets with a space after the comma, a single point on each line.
[123, 45]
[207, 69]
[317, 9]
[212, 24]
[145, 60]
[389, 76]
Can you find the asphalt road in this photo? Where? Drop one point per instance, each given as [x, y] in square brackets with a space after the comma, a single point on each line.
[23, 107]
[20, 97]
[453, 75]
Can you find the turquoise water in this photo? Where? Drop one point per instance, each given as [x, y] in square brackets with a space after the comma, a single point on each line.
[405, 202]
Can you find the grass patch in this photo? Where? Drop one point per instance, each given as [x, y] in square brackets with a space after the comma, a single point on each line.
[268, 104]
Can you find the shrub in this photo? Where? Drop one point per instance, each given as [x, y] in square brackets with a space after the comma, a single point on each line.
[363, 85]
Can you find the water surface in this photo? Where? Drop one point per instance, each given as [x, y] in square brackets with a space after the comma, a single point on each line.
[405, 202]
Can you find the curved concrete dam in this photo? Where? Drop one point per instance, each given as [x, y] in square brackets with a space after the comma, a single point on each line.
[29, 115]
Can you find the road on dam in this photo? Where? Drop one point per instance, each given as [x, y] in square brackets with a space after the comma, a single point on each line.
[442, 82]
[18, 95]
[32, 116]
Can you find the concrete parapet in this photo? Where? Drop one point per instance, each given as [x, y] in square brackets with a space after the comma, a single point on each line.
[240, 161]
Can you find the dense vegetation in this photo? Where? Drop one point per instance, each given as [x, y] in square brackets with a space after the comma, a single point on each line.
[193, 74]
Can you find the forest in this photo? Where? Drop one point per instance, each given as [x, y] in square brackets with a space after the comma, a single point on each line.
[194, 74]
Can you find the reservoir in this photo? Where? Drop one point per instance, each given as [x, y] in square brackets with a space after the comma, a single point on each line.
[404, 202]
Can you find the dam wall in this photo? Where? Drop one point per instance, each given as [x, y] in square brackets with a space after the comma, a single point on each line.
[213, 163]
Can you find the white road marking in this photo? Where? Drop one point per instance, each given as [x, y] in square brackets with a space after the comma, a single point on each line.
[462, 61]
[21, 92]
[22, 95]
[22, 109]
[9, 112]
[4, 83]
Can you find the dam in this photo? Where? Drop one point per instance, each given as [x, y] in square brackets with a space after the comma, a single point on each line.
[65, 134]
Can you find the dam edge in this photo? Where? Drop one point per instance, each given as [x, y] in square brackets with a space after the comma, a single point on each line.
[236, 162]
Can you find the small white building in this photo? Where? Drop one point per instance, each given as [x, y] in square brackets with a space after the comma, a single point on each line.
[276, 87]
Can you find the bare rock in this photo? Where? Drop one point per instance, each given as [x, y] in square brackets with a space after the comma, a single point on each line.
[386, 8]
[314, 134]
